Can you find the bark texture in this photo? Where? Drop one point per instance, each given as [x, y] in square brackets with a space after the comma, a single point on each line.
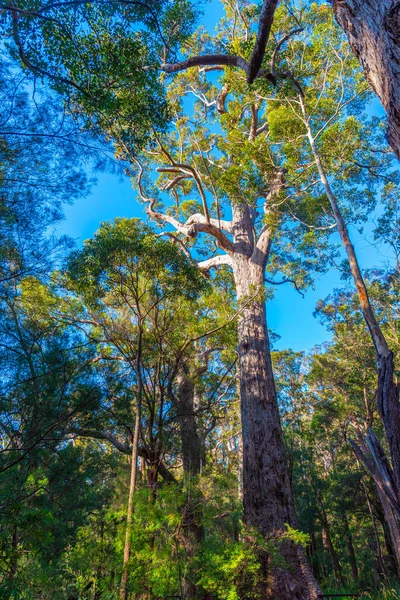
[192, 458]
[267, 497]
[372, 27]
[190, 440]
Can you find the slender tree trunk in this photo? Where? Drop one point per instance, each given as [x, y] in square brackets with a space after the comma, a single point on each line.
[388, 391]
[381, 562]
[327, 541]
[14, 552]
[350, 546]
[313, 551]
[372, 27]
[267, 498]
[326, 536]
[123, 591]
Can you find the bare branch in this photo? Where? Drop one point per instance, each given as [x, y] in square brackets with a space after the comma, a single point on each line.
[195, 226]
[264, 28]
[221, 99]
[177, 240]
[264, 240]
[187, 170]
[221, 224]
[264, 127]
[124, 449]
[173, 182]
[214, 261]
[254, 122]
[292, 281]
[206, 60]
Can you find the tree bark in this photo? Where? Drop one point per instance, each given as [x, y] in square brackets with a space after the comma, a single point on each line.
[381, 562]
[350, 546]
[190, 440]
[191, 455]
[123, 590]
[372, 28]
[393, 525]
[267, 497]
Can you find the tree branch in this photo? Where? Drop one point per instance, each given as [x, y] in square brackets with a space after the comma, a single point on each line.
[292, 281]
[229, 60]
[221, 99]
[254, 122]
[214, 261]
[279, 46]
[264, 28]
[124, 449]
[196, 226]
[264, 239]
[25, 60]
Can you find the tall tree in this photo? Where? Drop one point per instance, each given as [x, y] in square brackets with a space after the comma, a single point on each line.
[230, 171]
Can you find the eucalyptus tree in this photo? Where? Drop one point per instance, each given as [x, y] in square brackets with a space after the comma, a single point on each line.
[220, 167]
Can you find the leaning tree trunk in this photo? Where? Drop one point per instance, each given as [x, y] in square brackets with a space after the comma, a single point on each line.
[267, 498]
[372, 27]
[388, 401]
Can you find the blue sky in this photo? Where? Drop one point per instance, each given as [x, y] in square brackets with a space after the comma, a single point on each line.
[289, 315]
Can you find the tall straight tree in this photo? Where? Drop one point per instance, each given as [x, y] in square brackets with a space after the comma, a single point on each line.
[228, 171]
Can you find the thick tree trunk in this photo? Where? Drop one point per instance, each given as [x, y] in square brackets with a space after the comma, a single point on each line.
[267, 498]
[383, 479]
[190, 440]
[389, 410]
[393, 566]
[192, 459]
[372, 27]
